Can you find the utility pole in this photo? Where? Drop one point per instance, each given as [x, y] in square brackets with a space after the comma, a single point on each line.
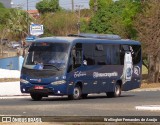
[95, 5]
[72, 5]
[27, 19]
[79, 16]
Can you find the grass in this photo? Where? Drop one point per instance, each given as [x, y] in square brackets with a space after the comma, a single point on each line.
[144, 80]
[144, 70]
[150, 85]
[9, 79]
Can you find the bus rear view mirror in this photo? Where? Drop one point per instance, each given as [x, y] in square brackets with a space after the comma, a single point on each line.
[84, 62]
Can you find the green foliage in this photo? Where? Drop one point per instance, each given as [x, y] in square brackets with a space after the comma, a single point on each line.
[128, 14]
[86, 14]
[3, 15]
[45, 6]
[3, 22]
[100, 4]
[17, 24]
[59, 23]
[1, 5]
[115, 18]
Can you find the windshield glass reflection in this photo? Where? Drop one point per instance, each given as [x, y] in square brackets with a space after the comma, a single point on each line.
[47, 56]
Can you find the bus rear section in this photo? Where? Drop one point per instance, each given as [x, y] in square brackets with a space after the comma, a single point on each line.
[80, 66]
[104, 66]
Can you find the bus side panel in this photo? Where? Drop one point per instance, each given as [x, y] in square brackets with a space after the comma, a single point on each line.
[95, 79]
[131, 85]
[136, 79]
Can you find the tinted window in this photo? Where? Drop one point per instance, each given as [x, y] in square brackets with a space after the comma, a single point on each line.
[136, 53]
[112, 54]
[104, 54]
[123, 49]
[99, 55]
[47, 53]
[88, 53]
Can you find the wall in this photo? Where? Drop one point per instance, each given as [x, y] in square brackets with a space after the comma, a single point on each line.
[12, 63]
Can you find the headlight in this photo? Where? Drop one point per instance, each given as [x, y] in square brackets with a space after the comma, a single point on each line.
[24, 81]
[58, 82]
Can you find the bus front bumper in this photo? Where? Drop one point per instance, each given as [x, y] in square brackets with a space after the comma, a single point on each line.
[43, 89]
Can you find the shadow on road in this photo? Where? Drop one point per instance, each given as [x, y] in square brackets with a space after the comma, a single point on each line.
[90, 97]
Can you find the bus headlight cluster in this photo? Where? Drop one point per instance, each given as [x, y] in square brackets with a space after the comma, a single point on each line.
[58, 82]
[24, 81]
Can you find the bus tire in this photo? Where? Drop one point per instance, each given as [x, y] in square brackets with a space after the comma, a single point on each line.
[76, 93]
[116, 93]
[84, 96]
[36, 97]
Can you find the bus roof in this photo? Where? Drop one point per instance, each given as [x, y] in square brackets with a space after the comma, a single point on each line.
[74, 40]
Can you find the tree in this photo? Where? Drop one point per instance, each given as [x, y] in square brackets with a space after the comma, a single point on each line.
[45, 6]
[99, 4]
[1, 5]
[3, 26]
[17, 24]
[59, 23]
[147, 24]
[115, 18]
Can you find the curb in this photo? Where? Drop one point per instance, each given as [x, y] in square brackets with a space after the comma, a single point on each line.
[15, 97]
[145, 89]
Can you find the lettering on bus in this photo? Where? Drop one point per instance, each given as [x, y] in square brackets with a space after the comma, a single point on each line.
[101, 75]
[79, 74]
[137, 70]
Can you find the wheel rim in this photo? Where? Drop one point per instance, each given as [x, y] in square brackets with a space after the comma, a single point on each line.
[117, 90]
[76, 93]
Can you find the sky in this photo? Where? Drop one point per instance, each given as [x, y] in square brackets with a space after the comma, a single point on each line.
[66, 4]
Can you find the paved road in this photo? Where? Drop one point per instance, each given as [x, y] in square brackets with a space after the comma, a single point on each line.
[94, 105]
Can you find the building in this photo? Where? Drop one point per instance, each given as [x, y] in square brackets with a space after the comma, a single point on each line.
[33, 13]
[6, 3]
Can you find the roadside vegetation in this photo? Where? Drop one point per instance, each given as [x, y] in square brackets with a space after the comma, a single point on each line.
[131, 19]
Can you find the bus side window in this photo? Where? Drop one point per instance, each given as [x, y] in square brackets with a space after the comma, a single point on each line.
[70, 65]
[123, 49]
[136, 53]
[99, 54]
[75, 59]
[88, 54]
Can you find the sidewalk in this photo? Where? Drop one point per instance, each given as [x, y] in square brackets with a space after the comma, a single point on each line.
[10, 88]
[13, 89]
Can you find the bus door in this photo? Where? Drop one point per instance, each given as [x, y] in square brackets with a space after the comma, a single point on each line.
[77, 72]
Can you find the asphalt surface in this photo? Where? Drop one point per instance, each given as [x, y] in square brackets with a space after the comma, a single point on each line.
[94, 105]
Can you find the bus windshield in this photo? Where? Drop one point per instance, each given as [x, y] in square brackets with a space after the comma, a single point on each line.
[47, 56]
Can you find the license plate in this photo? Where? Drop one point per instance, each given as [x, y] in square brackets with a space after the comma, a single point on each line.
[38, 87]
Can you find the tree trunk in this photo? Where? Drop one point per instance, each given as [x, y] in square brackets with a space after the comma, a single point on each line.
[153, 70]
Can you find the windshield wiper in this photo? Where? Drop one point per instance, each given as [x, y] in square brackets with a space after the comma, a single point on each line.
[51, 65]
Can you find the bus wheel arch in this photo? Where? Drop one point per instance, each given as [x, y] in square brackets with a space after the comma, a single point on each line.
[117, 90]
[77, 91]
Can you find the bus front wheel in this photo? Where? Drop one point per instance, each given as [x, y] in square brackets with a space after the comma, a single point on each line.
[116, 93]
[36, 97]
[76, 93]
